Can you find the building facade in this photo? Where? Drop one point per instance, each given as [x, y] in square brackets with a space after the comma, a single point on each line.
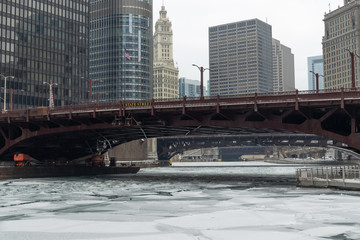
[240, 58]
[44, 43]
[166, 75]
[283, 67]
[189, 88]
[315, 65]
[121, 52]
[342, 35]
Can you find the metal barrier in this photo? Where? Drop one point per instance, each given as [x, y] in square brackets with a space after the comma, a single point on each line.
[329, 173]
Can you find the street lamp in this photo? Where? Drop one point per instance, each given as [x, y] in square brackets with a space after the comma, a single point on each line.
[90, 88]
[51, 98]
[5, 80]
[352, 55]
[202, 70]
[317, 80]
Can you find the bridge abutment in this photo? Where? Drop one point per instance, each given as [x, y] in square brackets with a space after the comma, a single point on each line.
[137, 150]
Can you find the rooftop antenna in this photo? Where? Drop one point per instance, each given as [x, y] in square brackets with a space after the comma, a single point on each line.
[329, 7]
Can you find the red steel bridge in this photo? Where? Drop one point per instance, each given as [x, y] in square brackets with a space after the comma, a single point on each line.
[73, 132]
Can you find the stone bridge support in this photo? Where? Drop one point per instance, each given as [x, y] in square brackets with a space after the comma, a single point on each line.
[138, 150]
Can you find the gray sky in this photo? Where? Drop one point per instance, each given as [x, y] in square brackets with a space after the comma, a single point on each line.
[296, 23]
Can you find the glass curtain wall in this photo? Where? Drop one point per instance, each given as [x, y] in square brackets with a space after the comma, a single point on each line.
[121, 50]
[44, 42]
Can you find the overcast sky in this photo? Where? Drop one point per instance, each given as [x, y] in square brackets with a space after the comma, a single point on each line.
[296, 23]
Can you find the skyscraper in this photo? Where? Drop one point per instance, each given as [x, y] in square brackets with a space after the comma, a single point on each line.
[241, 58]
[342, 31]
[121, 49]
[189, 88]
[315, 65]
[283, 67]
[44, 43]
[166, 83]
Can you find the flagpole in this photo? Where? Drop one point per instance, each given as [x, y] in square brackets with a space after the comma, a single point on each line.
[125, 57]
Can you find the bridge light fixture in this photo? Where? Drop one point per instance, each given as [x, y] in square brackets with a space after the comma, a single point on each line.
[317, 80]
[51, 97]
[5, 80]
[202, 70]
[352, 55]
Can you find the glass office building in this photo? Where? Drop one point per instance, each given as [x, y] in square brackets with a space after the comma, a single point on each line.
[121, 50]
[189, 88]
[44, 42]
[315, 65]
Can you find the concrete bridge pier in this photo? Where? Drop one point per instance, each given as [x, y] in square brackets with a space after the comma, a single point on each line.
[142, 150]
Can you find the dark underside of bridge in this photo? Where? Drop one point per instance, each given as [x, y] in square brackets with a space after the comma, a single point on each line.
[64, 139]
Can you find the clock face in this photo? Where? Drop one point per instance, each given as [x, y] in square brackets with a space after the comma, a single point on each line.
[165, 39]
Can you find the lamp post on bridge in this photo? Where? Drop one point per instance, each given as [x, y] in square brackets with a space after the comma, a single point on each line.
[202, 70]
[317, 80]
[352, 55]
[5, 80]
[51, 95]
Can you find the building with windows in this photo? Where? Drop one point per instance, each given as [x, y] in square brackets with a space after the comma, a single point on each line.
[240, 58]
[121, 50]
[166, 75]
[283, 67]
[189, 88]
[44, 43]
[342, 31]
[315, 65]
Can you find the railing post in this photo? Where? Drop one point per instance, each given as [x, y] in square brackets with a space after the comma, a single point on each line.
[184, 102]
[153, 107]
[327, 177]
[331, 172]
[342, 98]
[70, 112]
[121, 107]
[297, 100]
[255, 102]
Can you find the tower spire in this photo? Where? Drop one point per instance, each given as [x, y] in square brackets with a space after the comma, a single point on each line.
[163, 11]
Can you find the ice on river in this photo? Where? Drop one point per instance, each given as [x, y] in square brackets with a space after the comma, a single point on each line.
[130, 208]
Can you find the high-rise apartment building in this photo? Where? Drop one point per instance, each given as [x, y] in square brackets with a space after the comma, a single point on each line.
[315, 65]
[121, 49]
[189, 88]
[43, 43]
[283, 67]
[166, 80]
[241, 58]
[342, 31]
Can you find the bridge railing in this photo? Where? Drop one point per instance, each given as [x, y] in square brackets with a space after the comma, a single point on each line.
[247, 98]
[312, 94]
[329, 173]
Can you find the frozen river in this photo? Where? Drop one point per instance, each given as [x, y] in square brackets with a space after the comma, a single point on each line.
[178, 203]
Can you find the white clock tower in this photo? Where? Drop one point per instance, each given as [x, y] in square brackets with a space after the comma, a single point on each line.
[166, 75]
